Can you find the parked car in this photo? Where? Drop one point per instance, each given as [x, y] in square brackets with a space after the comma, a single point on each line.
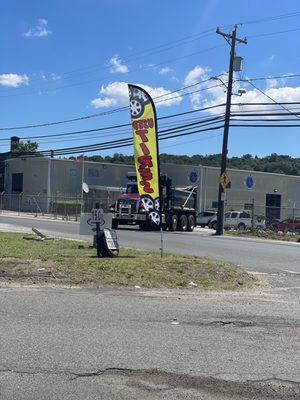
[239, 220]
[204, 218]
[286, 225]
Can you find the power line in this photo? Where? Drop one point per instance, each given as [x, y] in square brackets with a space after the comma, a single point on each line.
[266, 126]
[269, 97]
[287, 76]
[274, 18]
[121, 144]
[103, 113]
[126, 107]
[274, 33]
[26, 92]
[160, 133]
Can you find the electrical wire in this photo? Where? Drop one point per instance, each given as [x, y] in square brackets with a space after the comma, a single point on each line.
[273, 33]
[274, 18]
[119, 145]
[266, 126]
[126, 107]
[268, 77]
[269, 97]
[103, 113]
[118, 126]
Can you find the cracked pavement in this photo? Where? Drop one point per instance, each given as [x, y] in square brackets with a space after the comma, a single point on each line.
[123, 344]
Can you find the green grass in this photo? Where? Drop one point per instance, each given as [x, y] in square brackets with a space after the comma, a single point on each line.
[265, 234]
[20, 260]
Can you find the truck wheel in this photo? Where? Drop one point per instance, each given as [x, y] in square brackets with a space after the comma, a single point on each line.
[191, 223]
[241, 227]
[173, 223]
[114, 224]
[183, 223]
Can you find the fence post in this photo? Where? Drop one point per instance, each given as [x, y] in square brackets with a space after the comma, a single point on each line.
[252, 216]
[20, 198]
[294, 230]
[1, 203]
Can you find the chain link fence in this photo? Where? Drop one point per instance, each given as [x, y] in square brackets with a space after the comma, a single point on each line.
[58, 206]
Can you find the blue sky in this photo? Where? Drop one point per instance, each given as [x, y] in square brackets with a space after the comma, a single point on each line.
[62, 59]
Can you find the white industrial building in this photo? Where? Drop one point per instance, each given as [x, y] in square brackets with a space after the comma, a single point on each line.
[37, 181]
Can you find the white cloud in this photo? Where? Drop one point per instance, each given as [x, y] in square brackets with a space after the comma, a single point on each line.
[165, 70]
[116, 94]
[55, 77]
[39, 30]
[51, 77]
[271, 58]
[105, 102]
[117, 65]
[279, 94]
[197, 74]
[13, 80]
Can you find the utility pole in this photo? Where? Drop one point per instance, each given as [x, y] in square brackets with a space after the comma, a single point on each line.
[231, 39]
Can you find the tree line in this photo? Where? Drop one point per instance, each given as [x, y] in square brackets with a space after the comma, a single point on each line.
[275, 163]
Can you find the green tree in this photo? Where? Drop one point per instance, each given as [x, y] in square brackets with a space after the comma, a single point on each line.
[26, 147]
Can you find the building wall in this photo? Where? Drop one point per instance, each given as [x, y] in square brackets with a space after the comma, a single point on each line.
[239, 195]
[35, 183]
[50, 178]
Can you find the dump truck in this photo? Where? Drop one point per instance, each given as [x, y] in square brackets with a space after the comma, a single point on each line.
[178, 207]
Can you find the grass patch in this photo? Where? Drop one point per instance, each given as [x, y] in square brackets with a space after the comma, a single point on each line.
[61, 261]
[266, 234]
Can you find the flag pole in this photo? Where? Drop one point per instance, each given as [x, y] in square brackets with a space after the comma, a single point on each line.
[82, 180]
[159, 183]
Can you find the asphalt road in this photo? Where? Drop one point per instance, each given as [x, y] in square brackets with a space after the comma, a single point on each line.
[254, 255]
[85, 344]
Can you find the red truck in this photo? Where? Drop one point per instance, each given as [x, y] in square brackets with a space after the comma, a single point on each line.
[178, 207]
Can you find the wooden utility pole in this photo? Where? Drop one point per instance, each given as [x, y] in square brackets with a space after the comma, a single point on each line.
[231, 39]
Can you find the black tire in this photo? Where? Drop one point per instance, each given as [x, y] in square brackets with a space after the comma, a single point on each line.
[191, 223]
[173, 223]
[241, 227]
[183, 223]
[214, 225]
[114, 224]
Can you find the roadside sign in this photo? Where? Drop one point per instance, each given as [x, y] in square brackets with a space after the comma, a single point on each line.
[224, 180]
[193, 177]
[97, 215]
[88, 223]
[111, 239]
[249, 182]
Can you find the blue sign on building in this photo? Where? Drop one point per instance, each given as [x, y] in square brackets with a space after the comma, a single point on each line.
[193, 177]
[249, 182]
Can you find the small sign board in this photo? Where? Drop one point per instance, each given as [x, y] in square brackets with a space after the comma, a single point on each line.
[111, 239]
[97, 215]
[249, 182]
[88, 223]
[193, 177]
[224, 180]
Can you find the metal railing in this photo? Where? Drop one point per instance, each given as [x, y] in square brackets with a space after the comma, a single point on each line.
[58, 205]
